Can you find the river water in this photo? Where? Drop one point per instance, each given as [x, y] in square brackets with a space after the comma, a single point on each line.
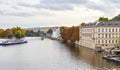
[47, 54]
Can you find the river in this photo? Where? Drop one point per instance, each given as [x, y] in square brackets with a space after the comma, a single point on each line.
[47, 54]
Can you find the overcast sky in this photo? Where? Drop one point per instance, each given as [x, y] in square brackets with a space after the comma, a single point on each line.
[39, 13]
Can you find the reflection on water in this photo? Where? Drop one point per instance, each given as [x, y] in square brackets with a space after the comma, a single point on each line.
[93, 58]
[46, 54]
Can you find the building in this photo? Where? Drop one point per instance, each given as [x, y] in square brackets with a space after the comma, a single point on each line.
[56, 33]
[100, 34]
[36, 29]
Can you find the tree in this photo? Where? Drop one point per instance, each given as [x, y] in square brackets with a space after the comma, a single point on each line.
[103, 19]
[1, 33]
[83, 24]
[13, 32]
[10, 36]
[18, 34]
[116, 18]
[50, 31]
[71, 33]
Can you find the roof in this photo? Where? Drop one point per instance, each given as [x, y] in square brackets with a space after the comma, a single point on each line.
[102, 24]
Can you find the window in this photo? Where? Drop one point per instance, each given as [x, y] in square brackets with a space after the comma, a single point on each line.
[105, 35]
[109, 41]
[106, 30]
[109, 35]
[112, 30]
[116, 35]
[102, 41]
[112, 41]
[109, 30]
[116, 30]
[98, 41]
[106, 41]
[98, 30]
[102, 35]
[98, 35]
[116, 41]
[102, 30]
[112, 35]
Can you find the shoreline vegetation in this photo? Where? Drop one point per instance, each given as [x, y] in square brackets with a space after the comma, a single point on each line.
[70, 35]
[15, 32]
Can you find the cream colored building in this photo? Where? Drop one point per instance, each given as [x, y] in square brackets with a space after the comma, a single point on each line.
[100, 34]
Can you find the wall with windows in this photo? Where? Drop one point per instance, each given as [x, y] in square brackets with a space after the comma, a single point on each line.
[106, 37]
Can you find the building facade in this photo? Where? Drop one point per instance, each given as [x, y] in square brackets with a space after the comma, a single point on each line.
[100, 34]
[56, 33]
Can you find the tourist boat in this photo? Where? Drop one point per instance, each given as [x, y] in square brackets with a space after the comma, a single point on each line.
[112, 57]
[13, 42]
[115, 55]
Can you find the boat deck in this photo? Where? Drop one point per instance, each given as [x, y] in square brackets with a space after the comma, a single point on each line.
[112, 57]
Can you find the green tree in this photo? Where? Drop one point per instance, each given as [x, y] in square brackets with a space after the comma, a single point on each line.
[116, 18]
[103, 19]
[18, 34]
[13, 32]
[83, 24]
[10, 36]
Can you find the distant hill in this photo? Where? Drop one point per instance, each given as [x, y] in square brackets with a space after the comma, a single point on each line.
[116, 18]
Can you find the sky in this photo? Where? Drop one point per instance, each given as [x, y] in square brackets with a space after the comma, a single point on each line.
[45, 13]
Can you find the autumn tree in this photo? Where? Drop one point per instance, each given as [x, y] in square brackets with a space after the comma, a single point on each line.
[70, 33]
[13, 32]
[1, 33]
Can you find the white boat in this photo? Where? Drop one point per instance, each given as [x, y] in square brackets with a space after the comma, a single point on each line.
[13, 42]
[115, 55]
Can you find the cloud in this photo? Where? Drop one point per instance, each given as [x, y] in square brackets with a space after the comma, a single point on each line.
[113, 1]
[54, 4]
[63, 1]
[59, 4]
[48, 6]
[21, 14]
[98, 6]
